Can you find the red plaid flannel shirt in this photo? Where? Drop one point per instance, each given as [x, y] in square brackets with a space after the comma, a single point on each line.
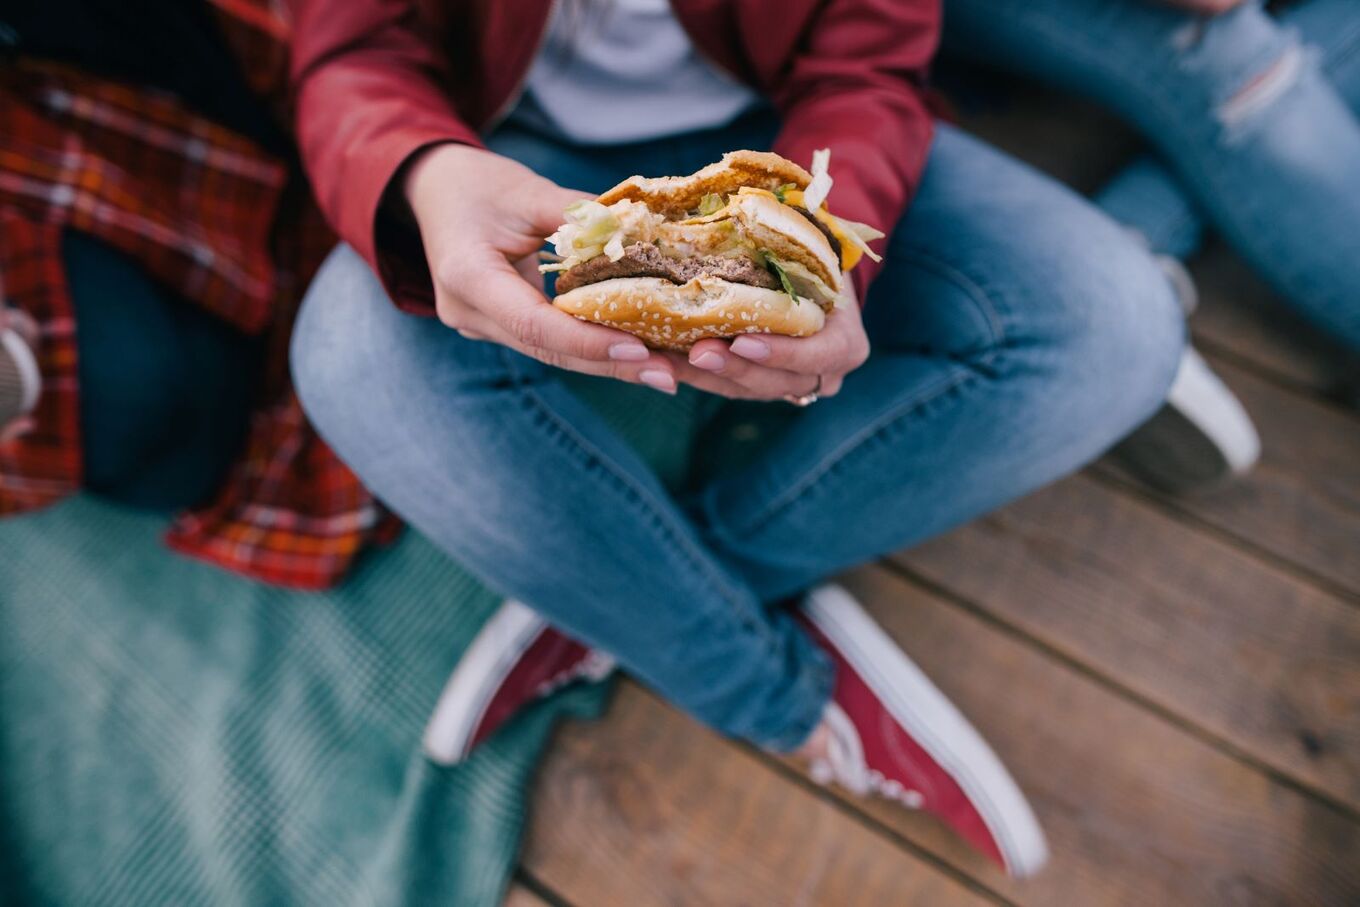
[223, 224]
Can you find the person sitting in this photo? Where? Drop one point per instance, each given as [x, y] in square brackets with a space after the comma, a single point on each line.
[1012, 333]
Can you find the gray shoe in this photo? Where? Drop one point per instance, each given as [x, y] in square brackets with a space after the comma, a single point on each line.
[1200, 438]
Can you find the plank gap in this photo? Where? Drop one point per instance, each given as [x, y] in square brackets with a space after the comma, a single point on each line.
[532, 892]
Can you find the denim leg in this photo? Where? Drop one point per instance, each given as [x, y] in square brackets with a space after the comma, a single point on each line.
[1332, 29]
[1148, 197]
[1239, 109]
[488, 454]
[1016, 334]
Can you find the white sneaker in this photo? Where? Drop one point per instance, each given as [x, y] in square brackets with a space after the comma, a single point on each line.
[1200, 438]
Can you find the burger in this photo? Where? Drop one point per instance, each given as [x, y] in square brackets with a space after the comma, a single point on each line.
[745, 245]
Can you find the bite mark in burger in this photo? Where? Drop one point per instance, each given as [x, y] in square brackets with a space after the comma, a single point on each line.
[744, 245]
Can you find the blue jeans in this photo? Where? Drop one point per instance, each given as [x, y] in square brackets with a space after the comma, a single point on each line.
[1016, 331]
[1255, 127]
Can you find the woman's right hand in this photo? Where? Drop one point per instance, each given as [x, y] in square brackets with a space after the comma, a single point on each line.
[482, 218]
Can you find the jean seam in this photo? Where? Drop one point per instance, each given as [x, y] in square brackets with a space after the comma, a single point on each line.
[622, 482]
[987, 302]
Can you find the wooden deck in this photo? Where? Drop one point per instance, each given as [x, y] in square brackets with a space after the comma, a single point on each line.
[1174, 682]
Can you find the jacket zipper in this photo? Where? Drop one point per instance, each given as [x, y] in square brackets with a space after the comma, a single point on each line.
[523, 84]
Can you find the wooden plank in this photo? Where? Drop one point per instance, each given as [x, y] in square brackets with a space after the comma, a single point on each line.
[1137, 810]
[1302, 502]
[1250, 654]
[1241, 316]
[519, 896]
[1070, 139]
[646, 807]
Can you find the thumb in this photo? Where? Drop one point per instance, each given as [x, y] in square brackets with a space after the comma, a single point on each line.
[549, 210]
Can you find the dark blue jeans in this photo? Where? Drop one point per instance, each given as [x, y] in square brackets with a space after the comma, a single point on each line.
[165, 388]
[1017, 332]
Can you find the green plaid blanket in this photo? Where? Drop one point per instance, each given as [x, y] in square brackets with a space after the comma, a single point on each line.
[172, 734]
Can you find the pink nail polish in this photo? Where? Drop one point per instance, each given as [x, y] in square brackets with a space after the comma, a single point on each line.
[658, 379]
[628, 352]
[750, 348]
[709, 361]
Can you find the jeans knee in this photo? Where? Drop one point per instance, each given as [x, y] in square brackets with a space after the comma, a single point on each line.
[325, 349]
[1124, 340]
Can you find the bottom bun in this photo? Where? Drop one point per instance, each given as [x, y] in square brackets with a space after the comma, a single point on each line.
[677, 316]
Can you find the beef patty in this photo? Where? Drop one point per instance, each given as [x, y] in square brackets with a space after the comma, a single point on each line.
[646, 260]
[826, 231]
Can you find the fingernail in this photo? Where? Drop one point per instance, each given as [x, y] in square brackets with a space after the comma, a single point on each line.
[750, 348]
[709, 361]
[661, 380]
[628, 352]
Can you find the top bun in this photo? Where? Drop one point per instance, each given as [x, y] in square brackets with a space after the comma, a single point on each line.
[675, 196]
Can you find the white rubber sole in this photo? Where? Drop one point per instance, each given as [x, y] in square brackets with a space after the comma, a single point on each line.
[465, 697]
[1205, 399]
[1201, 437]
[30, 378]
[935, 723]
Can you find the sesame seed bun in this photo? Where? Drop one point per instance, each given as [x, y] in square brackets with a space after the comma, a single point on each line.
[674, 196]
[677, 316]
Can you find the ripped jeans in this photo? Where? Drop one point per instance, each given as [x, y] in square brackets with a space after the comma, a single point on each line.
[1252, 115]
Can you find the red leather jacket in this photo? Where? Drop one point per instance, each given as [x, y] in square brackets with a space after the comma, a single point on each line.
[377, 80]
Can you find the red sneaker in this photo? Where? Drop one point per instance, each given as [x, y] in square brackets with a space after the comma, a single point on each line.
[515, 659]
[895, 735]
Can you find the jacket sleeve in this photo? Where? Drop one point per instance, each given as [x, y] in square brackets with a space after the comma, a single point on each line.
[857, 88]
[368, 96]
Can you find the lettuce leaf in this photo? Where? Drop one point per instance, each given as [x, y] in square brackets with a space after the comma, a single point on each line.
[774, 267]
[711, 203]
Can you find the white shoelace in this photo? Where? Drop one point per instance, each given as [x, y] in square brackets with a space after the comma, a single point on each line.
[595, 666]
[846, 766]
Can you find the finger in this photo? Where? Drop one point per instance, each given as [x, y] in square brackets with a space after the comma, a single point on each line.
[711, 383]
[17, 428]
[654, 371]
[549, 208]
[838, 348]
[715, 357]
[528, 269]
[497, 290]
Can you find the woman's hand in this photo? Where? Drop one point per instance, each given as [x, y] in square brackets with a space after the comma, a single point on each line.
[770, 366]
[1204, 7]
[482, 219]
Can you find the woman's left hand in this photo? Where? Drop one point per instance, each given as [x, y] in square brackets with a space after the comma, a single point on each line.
[772, 366]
